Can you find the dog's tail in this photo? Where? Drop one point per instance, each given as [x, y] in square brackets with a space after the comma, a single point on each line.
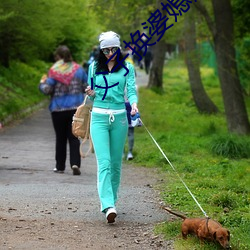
[175, 213]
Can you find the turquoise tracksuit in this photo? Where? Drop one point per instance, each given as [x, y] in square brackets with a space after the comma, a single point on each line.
[109, 129]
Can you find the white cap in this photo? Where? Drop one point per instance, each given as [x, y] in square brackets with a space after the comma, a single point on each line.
[109, 39]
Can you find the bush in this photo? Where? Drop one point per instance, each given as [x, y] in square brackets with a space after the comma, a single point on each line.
[19, 88]
[224, 200]
[231, 146]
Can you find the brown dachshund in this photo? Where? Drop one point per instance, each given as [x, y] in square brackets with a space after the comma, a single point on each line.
[204, 229]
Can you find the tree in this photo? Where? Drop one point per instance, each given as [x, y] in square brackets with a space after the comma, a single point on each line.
[130, 21]
[172, 36]
[111, 15]
[156, 71]
[159, 52]
[23, 33]
[201, 99]
[28, 33]
[223, 38]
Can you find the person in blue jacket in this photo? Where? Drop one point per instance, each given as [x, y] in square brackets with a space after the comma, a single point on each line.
[109, 123]
[65, 83]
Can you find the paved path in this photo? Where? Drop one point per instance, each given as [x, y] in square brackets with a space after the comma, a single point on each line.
[31, 191]
[26, 163]
[141, 78]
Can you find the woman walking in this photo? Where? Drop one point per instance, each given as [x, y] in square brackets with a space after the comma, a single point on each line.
[65, 84]
[109, 123]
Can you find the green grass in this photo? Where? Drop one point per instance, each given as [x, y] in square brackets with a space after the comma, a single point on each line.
[19, 87]
[214, 164]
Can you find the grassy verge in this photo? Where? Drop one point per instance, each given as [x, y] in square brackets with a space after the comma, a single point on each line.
[212, 163]
[19, 88]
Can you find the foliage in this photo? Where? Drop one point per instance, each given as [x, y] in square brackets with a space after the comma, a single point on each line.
[243, 61]
[27, 33]
[242, 37]
[136, 13]
[220, 184]
[128, 13]
[202, 31]
[241, 17]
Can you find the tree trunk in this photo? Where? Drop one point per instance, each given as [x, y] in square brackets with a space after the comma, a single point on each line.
[235, 109]
[201, 99]
[159, 50]
[156, 71]
[223, 37]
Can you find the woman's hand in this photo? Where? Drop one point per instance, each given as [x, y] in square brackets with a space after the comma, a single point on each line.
[43, 79]
[89, 91]
[134, 109]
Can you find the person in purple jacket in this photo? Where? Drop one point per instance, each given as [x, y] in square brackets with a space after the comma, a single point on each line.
[65, 83]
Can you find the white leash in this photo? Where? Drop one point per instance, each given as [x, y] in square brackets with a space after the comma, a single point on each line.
[174, 169]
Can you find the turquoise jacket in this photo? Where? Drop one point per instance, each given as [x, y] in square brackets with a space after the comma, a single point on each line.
[113, 96]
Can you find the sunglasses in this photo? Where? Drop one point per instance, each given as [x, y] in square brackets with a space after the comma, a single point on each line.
[107, 51]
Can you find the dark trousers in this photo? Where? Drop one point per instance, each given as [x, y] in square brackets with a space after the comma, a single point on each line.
[62, 122]
[130, 139]
[147, 66]
[130, 129]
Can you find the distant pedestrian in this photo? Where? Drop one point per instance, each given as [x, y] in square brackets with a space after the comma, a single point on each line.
[130, 133]
[148, 59]
[131, 129]
[109, 124]
[93, 55]
[65, 84]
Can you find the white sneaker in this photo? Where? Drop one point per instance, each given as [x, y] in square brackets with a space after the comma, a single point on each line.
[58, 171]
[130, 156]
[111, 214]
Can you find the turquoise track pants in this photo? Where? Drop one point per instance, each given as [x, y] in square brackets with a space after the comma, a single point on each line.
[108, 136]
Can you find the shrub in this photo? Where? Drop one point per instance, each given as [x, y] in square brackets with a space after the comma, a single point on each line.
[231, 146]
[224, 200]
